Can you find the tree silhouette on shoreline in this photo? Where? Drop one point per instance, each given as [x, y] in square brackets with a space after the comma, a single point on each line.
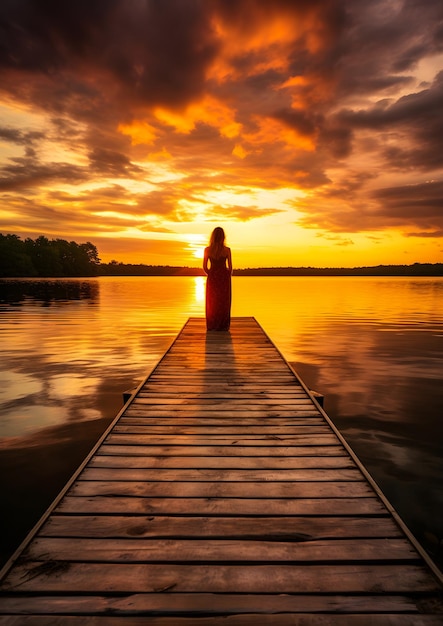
[43, 257]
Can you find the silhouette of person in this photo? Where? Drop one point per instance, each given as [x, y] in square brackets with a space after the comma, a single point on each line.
[217, 264]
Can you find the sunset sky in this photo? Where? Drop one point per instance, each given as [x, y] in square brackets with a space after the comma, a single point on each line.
[311, 130]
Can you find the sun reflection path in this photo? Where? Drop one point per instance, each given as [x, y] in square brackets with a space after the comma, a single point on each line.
[199, 285]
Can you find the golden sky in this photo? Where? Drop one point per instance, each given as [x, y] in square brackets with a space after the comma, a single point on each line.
[311, 130]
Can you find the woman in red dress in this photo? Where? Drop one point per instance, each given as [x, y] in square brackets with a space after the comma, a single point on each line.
[217, 263]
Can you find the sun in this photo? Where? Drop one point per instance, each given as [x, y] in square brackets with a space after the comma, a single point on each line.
[198, 252]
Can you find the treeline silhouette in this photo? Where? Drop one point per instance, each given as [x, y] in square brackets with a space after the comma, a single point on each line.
[416, 269]
[43, 257]
[115, 268]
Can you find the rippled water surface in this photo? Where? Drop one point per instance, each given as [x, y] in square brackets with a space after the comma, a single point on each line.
[372, 346]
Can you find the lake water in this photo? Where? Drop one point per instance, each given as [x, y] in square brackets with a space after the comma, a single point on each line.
[372, 346]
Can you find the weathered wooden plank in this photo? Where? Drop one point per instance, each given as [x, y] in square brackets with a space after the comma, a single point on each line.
[207, 551]
[224, 386]
[100, 505]
[219, 413]
[265, 528]
[261, 424]
[200, 413]
[328, 439]
[259, 393]
[244, 356]
[251, 370]
[215, 402]
[252, 619]
[251, 362]
[223, 489]
[231, 379]
[216, 462]
[217, 431]
[309, 475]
[239, 352]
[207, 604]
[204, 379]
[199, 392]
[227, 451]
[64, 577]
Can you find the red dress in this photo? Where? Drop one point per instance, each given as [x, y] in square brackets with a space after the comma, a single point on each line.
[218, 295]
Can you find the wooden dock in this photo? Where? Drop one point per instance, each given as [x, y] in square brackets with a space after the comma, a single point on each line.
[221, 494]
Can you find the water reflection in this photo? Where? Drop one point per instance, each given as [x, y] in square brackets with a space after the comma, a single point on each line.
[200, 289]
[61, 338]
[45, 292]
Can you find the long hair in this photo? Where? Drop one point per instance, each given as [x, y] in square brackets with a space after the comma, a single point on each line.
[217, 242]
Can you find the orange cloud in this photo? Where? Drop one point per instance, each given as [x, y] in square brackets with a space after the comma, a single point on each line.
[140, 132]
[272, 131]
[267, 34]
[209, 110]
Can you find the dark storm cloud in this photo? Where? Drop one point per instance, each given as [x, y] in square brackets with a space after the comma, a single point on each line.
[301, 121]
[155, 51]
[420, 204]
[384, 41]
[418, 116]
[417, 205]
[176, 44]
[43, 34]
[335, 140]
[159, 52]
[407, 109]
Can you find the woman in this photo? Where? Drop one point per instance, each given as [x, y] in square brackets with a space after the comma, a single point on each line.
[217, 263]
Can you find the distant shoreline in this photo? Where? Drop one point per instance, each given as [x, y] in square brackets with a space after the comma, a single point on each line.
[416, 269]
[123, 269]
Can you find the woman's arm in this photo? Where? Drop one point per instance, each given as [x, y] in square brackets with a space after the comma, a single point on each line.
[229, 261]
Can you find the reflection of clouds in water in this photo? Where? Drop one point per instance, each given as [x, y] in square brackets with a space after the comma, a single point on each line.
[390, 452]
[60, 357]
[410, 476]
[61, 387]
[374, 371]
[16, 385]
[29, 418]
